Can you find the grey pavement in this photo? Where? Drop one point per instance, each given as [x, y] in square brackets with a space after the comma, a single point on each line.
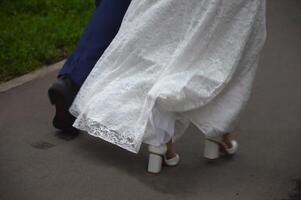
[37, 162]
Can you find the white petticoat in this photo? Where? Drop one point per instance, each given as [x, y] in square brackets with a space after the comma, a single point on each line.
[173, 62]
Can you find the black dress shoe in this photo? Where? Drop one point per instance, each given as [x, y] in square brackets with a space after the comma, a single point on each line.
[61, 95]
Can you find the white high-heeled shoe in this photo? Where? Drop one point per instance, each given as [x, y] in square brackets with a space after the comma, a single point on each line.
[172, 162]
[214, 146]
[156, 156]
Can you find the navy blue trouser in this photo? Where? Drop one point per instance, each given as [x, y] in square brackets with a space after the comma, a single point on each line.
[99, 33]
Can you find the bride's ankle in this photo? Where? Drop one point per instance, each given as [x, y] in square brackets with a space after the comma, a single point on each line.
[227, 140]
[170, 154]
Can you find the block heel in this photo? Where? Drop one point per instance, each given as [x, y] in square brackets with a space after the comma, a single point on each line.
[156, 158]
[211, 150]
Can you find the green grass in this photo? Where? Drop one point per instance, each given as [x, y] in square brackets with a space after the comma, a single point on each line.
[34, 33]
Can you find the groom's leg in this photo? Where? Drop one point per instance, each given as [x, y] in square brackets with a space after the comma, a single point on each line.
[97, 2]
[97, 36]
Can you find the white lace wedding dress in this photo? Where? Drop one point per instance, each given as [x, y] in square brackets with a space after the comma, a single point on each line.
[173, 62]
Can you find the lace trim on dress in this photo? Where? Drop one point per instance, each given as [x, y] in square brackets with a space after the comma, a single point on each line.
[94, 128]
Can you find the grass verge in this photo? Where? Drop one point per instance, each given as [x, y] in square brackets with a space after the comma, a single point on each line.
[34, 33]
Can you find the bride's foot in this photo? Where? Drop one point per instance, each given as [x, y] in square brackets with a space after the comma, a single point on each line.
[158, 155]
[171, 158]
[172, 161]
[226, 139]
[229, 145]
[215, 146]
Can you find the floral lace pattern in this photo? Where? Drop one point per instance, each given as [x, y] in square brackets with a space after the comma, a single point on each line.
[96, 129]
